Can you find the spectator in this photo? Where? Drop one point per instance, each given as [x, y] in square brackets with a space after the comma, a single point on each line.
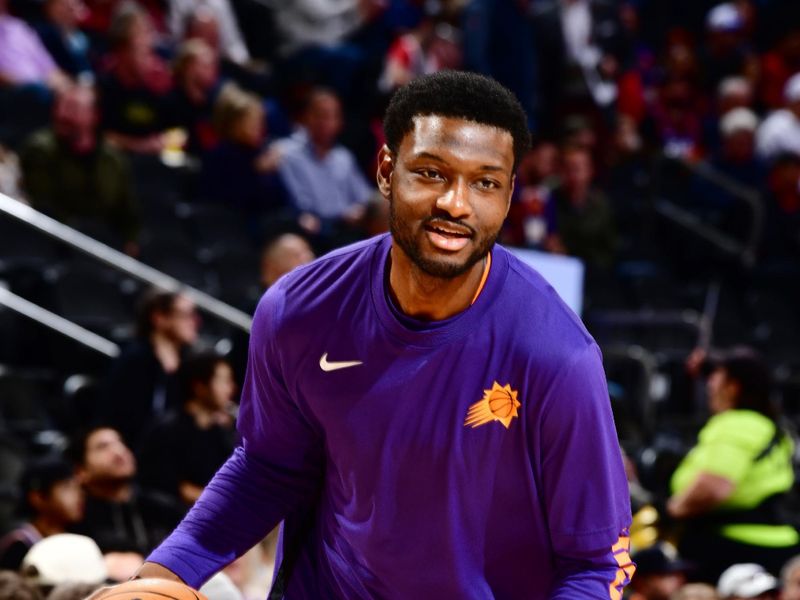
[780, 131]
[659, 573]
[67, 44]
[14, 587]
[231, 42]
[240, 172]
[781, 241]
[531, 218]
[197, 86]
[23, 58]
[675, 118]
[726, 52]
[584, 221]
[747, 581]
[582, 46]
[135, 84]
[182, 452]
[778, 65]
[64, 558]
[737, 161]
[70, 172]
[29, 78]
[281, 255]
[52, 500]
[790, 579]
[120, 517]
[728, 488]
[142, 384]
[732, 92]
[322, 178]
[411, 55]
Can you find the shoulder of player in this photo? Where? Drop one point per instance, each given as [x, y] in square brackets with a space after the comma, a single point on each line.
[538, 305]
[306, 286]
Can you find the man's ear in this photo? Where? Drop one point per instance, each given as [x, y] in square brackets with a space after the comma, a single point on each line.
[511, 193]
[385, 170]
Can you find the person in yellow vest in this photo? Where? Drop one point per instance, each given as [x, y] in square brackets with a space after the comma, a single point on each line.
[729, 487]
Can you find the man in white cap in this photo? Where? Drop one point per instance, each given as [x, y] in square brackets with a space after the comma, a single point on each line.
[780, 131]
[747, 581]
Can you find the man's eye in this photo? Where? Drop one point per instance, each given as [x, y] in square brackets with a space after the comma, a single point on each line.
[488, 184]
[429, 174]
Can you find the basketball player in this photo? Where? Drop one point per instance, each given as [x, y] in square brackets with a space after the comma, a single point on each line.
[421, 409]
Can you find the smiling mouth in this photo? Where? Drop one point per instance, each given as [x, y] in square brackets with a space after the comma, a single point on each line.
[447, 237]
[449, 231]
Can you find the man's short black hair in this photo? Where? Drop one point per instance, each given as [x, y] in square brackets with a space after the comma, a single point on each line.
[460, 95]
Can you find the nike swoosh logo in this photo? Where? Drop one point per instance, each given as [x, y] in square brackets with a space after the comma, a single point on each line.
[326, 365]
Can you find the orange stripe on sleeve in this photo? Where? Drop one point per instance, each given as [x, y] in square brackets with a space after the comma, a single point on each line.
[624, 574]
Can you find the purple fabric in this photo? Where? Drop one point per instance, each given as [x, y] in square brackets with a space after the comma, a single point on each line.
[23, 57]
[413, 503]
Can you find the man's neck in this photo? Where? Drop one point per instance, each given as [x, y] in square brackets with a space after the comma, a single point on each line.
[205, 416]
[112, 491]
[167, 352]
[429, 298]
[46, 525]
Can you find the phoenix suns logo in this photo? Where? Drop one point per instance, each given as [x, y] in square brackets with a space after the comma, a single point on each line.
[498, 404]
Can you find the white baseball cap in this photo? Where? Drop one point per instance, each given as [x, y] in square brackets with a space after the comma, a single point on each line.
[64, 558]
[724, 17]
[746, 580]
[738, 119]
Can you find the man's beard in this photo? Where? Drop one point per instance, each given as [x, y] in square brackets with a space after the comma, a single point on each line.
[440, 269]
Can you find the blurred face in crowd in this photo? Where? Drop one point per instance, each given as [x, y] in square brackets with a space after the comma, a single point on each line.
[251, 127]
[659, 586]
[323, 119]
[204, 26]
[75, 119]
[180, 323]
[449, 188]
[539, 164]
[65, 13]
[284, 254]
[221, 388]
[63, 503]
[738, 146]
[722, 391]
[106, 458]
[576, 172]
[791, 584]
[202, 71]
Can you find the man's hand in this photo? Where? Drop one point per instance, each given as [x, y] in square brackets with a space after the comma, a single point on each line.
[148, 570]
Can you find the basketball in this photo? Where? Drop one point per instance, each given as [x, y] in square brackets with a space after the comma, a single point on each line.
[151, 589]
[500, 403]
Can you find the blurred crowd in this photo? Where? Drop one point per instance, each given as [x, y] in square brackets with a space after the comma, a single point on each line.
[666, 144]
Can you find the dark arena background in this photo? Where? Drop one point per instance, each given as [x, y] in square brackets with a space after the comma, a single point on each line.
[163, 162]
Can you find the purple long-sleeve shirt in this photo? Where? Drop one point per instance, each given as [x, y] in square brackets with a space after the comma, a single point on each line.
[470, 458]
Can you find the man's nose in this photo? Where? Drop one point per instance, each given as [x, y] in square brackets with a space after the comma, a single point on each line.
[455, 201]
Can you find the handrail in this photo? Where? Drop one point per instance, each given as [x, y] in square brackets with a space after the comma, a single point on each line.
[122, 262]
[57, 323]
[747, 250]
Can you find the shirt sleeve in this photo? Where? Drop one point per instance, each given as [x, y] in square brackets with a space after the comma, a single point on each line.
[587, 501]
[276, 469]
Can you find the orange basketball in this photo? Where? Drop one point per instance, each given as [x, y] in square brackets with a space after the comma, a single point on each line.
[500, 403]
[151, 589]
